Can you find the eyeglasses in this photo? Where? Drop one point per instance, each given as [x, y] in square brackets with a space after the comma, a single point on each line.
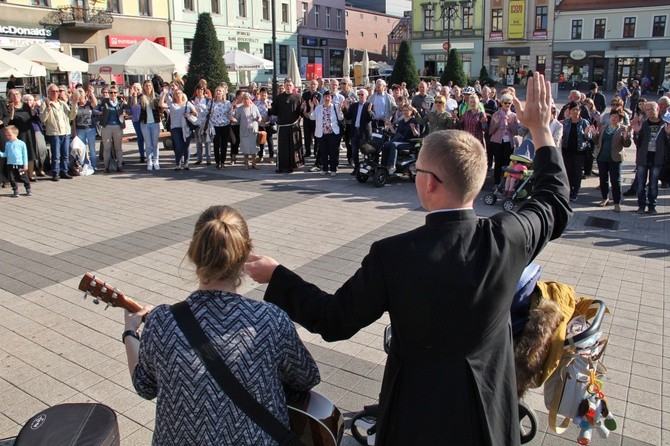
[431, 174]
[439, 102]
[113, 92]
[507, 103]
[360, 94]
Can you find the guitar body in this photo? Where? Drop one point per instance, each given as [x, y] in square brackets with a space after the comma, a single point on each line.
[316, 421]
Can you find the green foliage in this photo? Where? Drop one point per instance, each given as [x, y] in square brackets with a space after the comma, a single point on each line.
[404, 69]
[484, 77]
[529, 73]
[454, 70]
[206, 57]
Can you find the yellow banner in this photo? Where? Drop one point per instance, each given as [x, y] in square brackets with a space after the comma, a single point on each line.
[517, 19]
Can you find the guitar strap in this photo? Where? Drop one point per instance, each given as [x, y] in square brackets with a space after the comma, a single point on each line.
[224, 377]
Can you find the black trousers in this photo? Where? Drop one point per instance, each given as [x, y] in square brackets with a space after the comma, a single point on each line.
[574, 167]
[221, 136]
[329, 146]
[308, 127]
[18, 175]
[501, 153]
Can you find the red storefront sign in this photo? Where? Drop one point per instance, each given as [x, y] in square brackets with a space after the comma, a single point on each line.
[119, 41]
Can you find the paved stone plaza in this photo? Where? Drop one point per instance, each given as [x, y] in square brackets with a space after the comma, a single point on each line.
[132, 230]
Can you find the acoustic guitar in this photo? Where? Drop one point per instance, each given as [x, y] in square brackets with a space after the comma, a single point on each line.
[315, 420]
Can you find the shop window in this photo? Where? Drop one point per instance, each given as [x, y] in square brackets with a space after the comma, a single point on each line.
[242, 8]
[577, 26]
[188, 5]
[266, 9]
[467, 18]
[428, 17]
[496, 20]
[216, 6]
[659, 26]
[304, 14]
[114, 6]
[145, 7]
[541, 14]
[327, 17]
[283, 59]
[629, 27]
[599, 28]
[284, 12]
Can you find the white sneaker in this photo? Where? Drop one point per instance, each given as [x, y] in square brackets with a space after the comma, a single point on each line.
[149, 165]
[157, 166]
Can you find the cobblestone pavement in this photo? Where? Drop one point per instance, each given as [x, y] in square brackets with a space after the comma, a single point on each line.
[132, 229]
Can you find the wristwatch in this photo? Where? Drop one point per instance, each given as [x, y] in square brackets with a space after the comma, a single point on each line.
[131, 333]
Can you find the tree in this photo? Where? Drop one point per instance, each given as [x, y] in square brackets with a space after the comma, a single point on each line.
[206, 57]
[404, 69]
[484, 77]
[454, 70]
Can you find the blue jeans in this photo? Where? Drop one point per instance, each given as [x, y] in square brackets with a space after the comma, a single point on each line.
[60, 153]
[140, 138]
[150, 134]
[87, 136]
[181, 149]
[610, 170]
[390, 153]
[647, 195]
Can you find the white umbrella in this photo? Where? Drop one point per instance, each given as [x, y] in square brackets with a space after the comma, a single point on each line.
[51, 59]
[13, 64]
[346, 63]
[142, 58]
[237, 60]
[366, 68]
[294, 70]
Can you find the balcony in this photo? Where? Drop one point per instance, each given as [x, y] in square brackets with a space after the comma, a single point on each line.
[455, 33]
[79, 18]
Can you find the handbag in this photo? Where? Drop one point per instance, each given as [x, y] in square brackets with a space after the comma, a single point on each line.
[191, 121]
[262, 137]
[203, 347]
[342, 123]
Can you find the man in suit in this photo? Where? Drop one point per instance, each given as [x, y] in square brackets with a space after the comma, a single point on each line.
[448, 286]
[360, 116]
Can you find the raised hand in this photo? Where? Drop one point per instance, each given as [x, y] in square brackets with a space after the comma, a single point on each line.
[535, 114]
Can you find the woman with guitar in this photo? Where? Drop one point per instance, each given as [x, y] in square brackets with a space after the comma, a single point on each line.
[256, 341]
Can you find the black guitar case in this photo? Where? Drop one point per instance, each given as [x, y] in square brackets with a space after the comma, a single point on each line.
[81, 424]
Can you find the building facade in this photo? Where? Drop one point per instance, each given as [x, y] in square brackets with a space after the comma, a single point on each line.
[604, 42]
[394, 8]
[245, 25]
[322, 38]
[86, 30]
[518, 38]
[436, 29]
[369, 30]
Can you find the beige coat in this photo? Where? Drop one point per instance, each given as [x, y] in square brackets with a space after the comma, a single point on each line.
[618, 143]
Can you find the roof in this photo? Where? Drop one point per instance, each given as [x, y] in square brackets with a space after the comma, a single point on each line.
[585, 5]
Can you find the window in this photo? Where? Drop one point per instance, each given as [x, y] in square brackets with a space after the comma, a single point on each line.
[266, 9]
[317, 10]
[497, 20]
[577, 29]
[327, 17]
[541, 13]
[188, 5]
[629, 27]
[188, 45]
[284, 12]
[304, 14]
[375, 35]
[428, 17]
[267, 51]
[242, 8]
[599, 28]
[283, 59]
[145, 7]
[659, 26]
[467, 18]
[362, 34]
[339, 19]
[114, 6]
[39, 2]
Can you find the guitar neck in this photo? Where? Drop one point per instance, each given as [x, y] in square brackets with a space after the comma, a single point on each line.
[107, 293]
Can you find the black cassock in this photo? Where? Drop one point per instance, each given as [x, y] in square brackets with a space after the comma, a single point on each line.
[289, 152]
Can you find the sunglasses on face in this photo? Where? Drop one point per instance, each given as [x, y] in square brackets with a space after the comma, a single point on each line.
[439, 102]
[507, 103]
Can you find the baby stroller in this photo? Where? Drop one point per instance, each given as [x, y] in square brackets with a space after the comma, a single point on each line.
[371, 166]
[523, 187]
[537, 322]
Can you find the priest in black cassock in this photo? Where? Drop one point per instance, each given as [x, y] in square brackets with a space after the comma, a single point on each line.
[286, 106]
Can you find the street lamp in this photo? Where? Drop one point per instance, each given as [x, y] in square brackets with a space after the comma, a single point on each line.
[449, 11]
[274, 50]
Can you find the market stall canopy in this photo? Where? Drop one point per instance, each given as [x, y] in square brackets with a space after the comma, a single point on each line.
[13, 64]
[237, 60]
[51, 59]
[142, 58]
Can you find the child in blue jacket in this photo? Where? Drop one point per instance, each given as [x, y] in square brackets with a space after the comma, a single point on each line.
[17, 161]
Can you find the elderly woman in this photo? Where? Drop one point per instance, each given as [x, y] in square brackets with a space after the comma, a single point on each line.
[86, 103]
[248, 117]
[502, 130]
[438, 118]
[474, 120]
[20, 116]
[327, 131]
[609, 153]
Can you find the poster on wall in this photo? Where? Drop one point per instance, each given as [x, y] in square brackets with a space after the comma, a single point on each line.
[517, 19]
[304, 60]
